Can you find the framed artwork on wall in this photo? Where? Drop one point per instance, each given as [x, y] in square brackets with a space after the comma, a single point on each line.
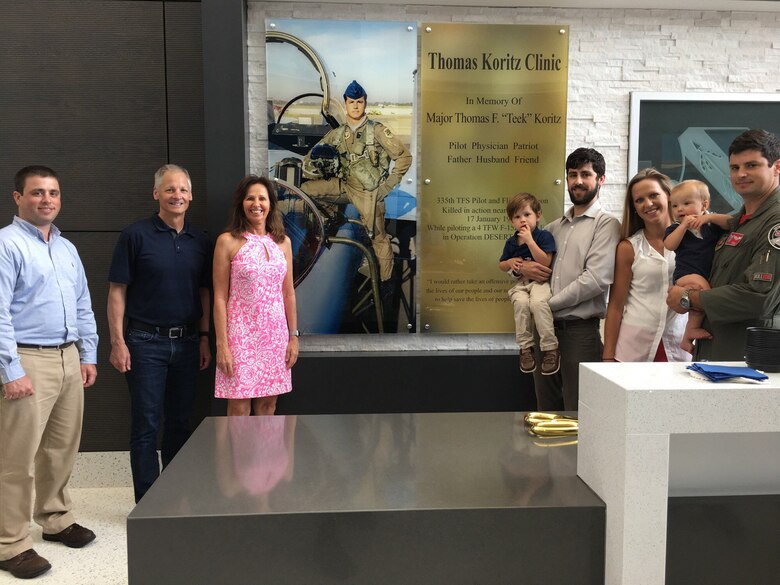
[687, 135]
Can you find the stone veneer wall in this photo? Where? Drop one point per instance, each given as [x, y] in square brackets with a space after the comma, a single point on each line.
[612, 52]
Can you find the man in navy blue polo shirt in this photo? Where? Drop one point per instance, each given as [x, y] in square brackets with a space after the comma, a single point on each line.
[158, 316]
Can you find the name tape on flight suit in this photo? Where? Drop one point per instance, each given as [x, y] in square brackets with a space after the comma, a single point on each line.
[734, 238]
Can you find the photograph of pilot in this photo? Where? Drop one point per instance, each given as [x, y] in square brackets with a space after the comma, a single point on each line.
[352, 164]
[340, 110]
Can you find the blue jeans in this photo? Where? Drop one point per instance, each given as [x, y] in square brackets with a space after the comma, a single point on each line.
[162, 379]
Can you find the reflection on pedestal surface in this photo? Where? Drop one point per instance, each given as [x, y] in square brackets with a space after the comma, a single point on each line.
[392, 498]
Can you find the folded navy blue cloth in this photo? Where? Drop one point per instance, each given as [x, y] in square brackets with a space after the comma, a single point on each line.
[720, 373]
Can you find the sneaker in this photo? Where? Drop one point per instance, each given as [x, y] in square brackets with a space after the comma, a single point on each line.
[551, 362]
[527, 360]
[26, 565]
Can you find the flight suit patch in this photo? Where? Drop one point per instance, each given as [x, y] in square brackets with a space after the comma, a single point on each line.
[734, 239]
[762, 276]
[774, 236]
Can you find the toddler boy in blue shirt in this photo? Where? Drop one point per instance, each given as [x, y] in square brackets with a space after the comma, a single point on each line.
[530, 298]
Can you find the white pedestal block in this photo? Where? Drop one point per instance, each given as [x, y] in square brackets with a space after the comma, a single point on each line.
[630, 414]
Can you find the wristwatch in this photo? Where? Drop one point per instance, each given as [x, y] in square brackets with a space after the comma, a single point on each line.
[685, 300]
[295, 333]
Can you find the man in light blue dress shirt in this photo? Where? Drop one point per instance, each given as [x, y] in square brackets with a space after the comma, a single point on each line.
[48, 352]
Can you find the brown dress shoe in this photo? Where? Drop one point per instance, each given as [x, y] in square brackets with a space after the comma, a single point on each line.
[551, 362]
[74, 536]
[527, 360]
[26, 565]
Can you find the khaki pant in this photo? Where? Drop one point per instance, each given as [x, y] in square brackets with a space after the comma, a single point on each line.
[39, 440]
[372, 215]
[530, 299]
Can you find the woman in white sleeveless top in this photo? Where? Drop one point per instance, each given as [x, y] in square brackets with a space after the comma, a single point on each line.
[639, 326]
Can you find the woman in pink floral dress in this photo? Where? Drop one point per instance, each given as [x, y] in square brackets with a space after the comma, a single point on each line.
[254, 303]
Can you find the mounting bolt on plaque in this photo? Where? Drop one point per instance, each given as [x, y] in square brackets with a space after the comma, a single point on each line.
[427, 326]
[427, 181]
[557, 181]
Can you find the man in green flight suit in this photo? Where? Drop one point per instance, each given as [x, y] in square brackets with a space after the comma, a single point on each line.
[362, 176]
[747, 259]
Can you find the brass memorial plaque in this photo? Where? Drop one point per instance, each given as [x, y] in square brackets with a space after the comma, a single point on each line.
[493, 115]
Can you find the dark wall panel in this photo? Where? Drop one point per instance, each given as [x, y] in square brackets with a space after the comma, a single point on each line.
[107, 403]
[105, 92]
[184, 82]
[723, 540]
[428, 381]
[83, 91]
[224, 102]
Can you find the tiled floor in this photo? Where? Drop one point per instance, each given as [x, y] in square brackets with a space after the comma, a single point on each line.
[104, 509]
